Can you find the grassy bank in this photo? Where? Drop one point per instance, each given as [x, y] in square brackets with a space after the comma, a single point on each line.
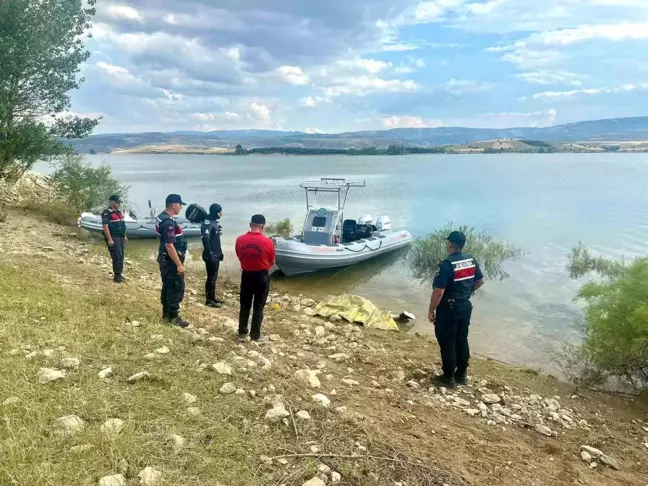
[384, 425]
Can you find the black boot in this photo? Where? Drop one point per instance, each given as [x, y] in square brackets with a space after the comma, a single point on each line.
[461, 378]
[179, 322]
[214, 303]
[444, 381]
[119, 278]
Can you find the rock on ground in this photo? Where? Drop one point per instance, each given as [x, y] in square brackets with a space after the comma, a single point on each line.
[314, 482]
[179, 443]
[586, 456]
[222, 368]
[11, 401]
[114, 480]
[105, 373]
[321, 399]
[47, 375]
[150, 477]
[227, 389]
[68, 425]
[544, 430]
[70, 363]
[491, 398]
[609, 462]
[142, 375]
[188, 398]
[303, 414]
[335, 477]
[112, 427]
[338, 358]
[308, 377]
[277, 413]
[592, 451]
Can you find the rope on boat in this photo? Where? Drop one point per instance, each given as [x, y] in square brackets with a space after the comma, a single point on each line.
[363, 248]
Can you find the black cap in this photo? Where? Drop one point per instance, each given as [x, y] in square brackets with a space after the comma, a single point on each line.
[115, 198]
[458, 239]
[258, 219]
[174, 198]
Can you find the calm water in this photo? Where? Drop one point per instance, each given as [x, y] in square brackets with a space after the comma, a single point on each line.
[542, 203]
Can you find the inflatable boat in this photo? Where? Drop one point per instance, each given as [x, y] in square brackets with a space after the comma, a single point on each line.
[329, 241]
[137, 228]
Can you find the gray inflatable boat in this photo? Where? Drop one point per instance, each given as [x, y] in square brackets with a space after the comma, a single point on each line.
[329, 241]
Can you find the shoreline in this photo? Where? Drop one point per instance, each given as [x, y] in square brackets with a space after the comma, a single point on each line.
[385, 423]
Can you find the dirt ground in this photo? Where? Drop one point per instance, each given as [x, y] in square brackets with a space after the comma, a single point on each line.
[385, 426]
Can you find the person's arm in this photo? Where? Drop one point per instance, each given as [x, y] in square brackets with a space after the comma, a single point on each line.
[218, 250]
[479, 278]
[204, 236]
[440, 284]
[272, 254]
[105, 220]
[168, 232]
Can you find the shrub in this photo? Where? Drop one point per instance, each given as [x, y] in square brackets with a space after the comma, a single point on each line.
[280, 228]
[615, 322]
[83, 187]
[428, 252]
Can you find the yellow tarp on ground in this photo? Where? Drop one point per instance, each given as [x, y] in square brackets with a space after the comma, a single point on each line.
[358, 310]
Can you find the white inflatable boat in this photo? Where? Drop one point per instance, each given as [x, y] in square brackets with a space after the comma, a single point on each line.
[329, 241]
[136, 228]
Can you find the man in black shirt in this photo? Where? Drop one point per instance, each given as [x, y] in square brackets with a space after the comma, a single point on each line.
[171, 256]
[455, 281]
[114, 229]
[210, 232]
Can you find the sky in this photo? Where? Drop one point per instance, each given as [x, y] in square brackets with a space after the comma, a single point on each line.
[351, 65]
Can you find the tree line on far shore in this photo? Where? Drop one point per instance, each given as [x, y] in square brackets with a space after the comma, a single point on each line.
[391, 150]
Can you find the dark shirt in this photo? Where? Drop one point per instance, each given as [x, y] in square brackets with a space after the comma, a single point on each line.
[169, 232]
[210, 232]
[115, 221]
[255, 251]
[457, 276]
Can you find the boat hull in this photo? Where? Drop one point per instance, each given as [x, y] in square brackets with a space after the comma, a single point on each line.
[297, 258]
[136, 229]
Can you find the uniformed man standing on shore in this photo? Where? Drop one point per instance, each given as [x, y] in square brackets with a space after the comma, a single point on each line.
[455, 281]
[210, 232]
[256, 253]
[171, 257]
[114, 229]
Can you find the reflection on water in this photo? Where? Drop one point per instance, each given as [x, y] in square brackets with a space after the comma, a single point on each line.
[543, 204]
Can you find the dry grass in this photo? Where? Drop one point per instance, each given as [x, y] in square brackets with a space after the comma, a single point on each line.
[61, 299]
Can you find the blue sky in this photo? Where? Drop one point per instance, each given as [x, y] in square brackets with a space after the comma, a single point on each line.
[350, 65]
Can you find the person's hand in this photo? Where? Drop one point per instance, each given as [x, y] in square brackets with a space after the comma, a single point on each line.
[125, 239]
[221, 258]
[432, 317]
[181, 270]
[111, 243]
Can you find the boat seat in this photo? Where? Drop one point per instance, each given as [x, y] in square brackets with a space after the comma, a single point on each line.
[349, 228]
[364, 231]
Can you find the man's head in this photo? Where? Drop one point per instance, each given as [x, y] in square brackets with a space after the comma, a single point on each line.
[215, 211]
[174, 204]
[257, 223]
[456, 241]
[114, 201]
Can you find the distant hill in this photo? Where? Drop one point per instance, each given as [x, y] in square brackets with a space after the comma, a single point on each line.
[610, 130]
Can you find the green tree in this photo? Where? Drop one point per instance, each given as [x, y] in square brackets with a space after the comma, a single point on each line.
[41, 50]
[239, 150]
[83, 187]
[615, 321]
[428, 252]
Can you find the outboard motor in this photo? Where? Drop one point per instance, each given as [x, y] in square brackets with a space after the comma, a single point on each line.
[366, 219]
[384, 223]
[365, 227]
[196, 213]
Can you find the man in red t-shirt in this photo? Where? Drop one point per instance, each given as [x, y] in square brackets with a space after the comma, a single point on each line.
[256, 253]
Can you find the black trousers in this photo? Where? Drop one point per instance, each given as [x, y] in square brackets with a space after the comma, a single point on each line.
[117, 254]
[173, 288]
[255, 287]
[210, 284]
[451, 330]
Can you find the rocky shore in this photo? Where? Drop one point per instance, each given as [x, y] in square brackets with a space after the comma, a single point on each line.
[96, 390]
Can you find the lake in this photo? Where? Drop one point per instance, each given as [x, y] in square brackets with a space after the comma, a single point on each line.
[544, 204]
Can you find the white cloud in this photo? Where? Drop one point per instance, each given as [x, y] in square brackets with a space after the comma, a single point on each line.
[123, 12]
[622, 88]
[460, 87]
[370, 65]
[525, 58]
[407, 121]
[228, 115]
[363, 85]
[111, 69]
[484, 8]
[294, 75]
[404, 70]
[260, 112]
[431, 11]
[609, 32]
[312, 130]
[312, 102]
[399, 47]
[550, 77]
